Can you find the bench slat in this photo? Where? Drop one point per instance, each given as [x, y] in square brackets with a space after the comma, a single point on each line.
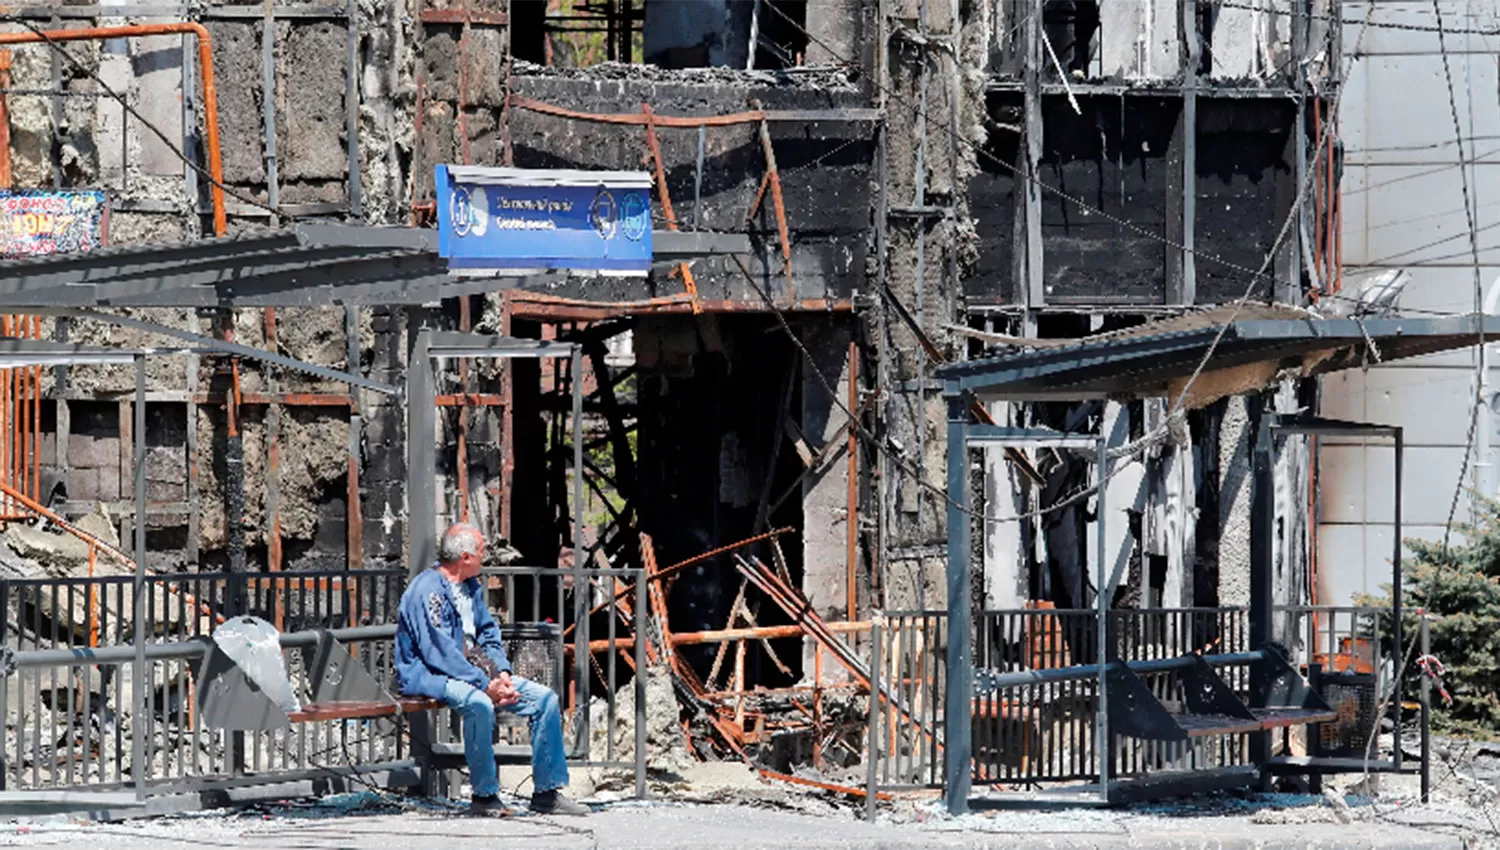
[357, 709]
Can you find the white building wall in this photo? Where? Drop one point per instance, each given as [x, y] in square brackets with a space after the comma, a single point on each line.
[1404, 208]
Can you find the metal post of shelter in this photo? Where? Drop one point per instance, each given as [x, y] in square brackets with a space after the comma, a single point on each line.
[142, 706]
[958, 718]
[958, 729]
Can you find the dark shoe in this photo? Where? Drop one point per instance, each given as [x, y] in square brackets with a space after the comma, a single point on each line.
[488, 805]
[554, 803]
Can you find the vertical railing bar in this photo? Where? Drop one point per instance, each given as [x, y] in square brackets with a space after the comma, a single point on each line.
[919, 695]
[609, 686]
[876, 706]
[872, 732]
[536, 597]
[935, 698]
[73, 695]
[187, 628]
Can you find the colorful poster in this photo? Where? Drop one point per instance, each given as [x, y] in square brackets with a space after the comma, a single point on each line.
[35, 222]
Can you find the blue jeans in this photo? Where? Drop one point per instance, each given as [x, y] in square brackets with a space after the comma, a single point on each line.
[549, 765]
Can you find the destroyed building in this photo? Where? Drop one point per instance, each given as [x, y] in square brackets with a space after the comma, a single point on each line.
[921, 182]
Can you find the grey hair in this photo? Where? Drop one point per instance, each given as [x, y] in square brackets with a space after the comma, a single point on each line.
[459, 540]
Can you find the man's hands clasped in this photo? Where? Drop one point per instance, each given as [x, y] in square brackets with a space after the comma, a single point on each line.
[502, 692]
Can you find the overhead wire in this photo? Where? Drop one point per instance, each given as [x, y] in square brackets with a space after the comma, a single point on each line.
[1132, 450]
[1463, 472]
[1365, 22]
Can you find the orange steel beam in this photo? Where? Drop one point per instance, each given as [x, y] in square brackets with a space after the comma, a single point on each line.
[273, 478]
[35, 507]
[205, 69]
[93, 601]
[666, 199]
[655, 575]
[731, 635]
[471, 400]
[824, 786]
[783, 231]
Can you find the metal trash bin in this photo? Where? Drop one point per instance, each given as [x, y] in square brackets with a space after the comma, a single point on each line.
[1352, 695]
[536, 652]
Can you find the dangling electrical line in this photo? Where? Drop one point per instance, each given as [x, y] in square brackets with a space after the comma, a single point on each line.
[1458, 131]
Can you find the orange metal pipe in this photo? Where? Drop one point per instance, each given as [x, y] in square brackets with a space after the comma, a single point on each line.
[206, 69]
[93, 601]
[18, 409]
[5, 419]
[36, 420]
[5, 176]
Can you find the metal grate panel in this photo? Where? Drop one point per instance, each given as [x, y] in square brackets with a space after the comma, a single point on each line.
[1352, 697]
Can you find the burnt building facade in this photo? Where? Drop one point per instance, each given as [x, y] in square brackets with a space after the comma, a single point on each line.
[920, 180]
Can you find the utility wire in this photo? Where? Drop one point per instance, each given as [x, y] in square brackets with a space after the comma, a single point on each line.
[1463, 470]
[1365, 22]
[135, 113]
[1481, 159]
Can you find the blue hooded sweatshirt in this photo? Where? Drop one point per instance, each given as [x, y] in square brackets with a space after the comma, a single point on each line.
[430, 638]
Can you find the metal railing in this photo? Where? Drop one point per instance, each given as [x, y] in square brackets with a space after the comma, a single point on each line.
[909, 670]
[71, 710]
[72, 723]
[1039, 732]
[1339, 638]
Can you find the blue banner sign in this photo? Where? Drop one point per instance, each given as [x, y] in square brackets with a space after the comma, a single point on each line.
[516, 218]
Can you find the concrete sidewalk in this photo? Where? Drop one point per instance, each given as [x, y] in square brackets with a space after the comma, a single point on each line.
[740, 827]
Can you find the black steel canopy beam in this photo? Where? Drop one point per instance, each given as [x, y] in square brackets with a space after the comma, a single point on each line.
[228, 272]
[106, 264]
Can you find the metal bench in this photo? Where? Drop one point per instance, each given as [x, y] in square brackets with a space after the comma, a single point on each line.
[343, 689]
[1209, 706]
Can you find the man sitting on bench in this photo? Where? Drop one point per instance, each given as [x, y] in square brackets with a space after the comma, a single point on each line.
[448, 647]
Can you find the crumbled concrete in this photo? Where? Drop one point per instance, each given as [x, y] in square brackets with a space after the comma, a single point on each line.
[314, 457]
[44, 551]
[666, 750]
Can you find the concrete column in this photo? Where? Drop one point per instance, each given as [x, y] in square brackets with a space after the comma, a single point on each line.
[1125, 492]
[836, 29]
[825, 493]
[1235, 441]
[1006, 583]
